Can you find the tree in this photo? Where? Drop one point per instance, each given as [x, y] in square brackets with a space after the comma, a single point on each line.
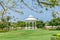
[2, 25]
[20, 24]
[40, 24]
[54, 22]
[5, 23]
[54, 15]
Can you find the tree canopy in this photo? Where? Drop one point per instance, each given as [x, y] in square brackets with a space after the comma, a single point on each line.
[12, 4]
[35, 5]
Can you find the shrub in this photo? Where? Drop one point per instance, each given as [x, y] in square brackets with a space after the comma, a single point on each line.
[56, 37]
[40, 24]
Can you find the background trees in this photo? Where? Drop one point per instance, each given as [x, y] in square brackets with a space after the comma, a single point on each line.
[20, 24]
[54, 22]
[11, 5]
[40, 24]
[5, 23]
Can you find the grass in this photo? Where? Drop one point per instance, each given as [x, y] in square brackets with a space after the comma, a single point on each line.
[27, 35]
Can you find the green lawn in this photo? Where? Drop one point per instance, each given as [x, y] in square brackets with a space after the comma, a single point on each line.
[27, 35]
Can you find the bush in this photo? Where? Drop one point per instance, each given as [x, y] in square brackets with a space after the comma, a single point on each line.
[2, 26]
[40, 24]
[52, 29]
[56, 37]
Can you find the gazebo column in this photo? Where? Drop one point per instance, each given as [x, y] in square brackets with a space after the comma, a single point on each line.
[35, 25]
[29, 25]
[32, 25]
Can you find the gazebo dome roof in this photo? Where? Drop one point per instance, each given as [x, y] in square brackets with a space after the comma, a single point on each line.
[31, 18]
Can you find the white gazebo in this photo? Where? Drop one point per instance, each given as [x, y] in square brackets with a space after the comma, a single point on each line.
[31, 20]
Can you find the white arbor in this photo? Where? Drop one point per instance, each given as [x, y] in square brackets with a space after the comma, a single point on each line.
[31, 20]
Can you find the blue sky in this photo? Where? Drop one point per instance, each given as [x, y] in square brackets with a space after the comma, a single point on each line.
[45, 16]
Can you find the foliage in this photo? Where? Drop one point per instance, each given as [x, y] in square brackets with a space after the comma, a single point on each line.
[2, 25]
[40, 24]
[50, 3]
[54, 22]
[20, 24]
[5, 23]
[54, 15]
[56, 37]
[12, 4]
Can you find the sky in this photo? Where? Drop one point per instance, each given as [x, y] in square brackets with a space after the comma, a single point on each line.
[45, 16]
